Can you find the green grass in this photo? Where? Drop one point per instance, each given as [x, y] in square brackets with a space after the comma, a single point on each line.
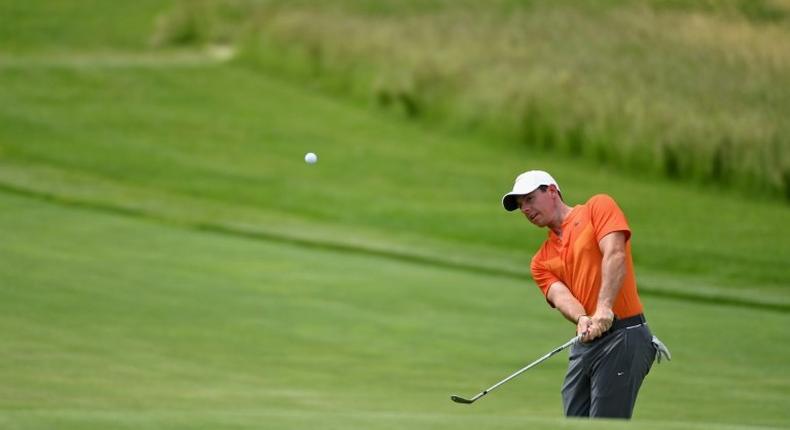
[168, 260]
[113, 321]
[151, 138]
[38, 25]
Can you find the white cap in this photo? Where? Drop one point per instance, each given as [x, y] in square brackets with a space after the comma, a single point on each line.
[526, 183]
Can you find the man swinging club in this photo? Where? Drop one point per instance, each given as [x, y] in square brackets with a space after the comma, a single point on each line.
[585, 270]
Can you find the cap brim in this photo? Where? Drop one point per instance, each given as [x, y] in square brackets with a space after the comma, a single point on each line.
[509, 201]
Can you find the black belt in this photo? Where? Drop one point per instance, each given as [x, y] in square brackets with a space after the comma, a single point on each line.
[620, 324]
[628, 322]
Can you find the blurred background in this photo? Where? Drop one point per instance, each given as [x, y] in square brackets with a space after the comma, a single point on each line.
[168, 260]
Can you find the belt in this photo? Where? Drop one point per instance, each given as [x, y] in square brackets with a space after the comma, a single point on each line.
[629, 322]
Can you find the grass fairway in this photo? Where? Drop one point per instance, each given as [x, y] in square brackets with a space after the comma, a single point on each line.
[168, 261]
[220, 143]
[114, 322]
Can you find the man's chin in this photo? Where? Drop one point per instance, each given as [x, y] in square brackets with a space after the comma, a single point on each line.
[537, 223]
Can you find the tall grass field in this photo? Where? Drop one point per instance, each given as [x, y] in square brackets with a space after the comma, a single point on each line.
[168, 260]
[690, 90]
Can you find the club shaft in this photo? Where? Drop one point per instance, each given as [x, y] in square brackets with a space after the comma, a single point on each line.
[529, 366]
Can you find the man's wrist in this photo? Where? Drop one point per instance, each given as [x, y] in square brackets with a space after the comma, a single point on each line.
[603, 305]
[579, 318]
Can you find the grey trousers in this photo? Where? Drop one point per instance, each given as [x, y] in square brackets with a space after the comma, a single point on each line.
[604, 375]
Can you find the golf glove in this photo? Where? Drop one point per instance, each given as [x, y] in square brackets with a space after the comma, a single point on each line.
[661, 350]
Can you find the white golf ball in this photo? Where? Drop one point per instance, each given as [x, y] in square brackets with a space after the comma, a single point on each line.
[310, 158]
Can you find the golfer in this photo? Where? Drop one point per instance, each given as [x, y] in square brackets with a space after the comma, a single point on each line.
[585, 271]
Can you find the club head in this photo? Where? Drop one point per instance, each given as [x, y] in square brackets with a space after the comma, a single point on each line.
[457, 399]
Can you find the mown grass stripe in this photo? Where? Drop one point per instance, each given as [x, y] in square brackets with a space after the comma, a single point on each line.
[242, 415]
[109, 60]
[225, 229]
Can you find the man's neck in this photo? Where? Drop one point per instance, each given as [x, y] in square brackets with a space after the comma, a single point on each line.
[562, 213]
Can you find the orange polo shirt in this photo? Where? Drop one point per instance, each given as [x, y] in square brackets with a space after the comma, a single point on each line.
[575, 258]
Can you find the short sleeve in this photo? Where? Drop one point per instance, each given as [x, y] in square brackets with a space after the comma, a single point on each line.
[607, 217]
[543, 277]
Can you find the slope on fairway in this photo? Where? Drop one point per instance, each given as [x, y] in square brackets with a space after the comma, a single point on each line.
[112, 321]
[96, 116]
[219, 144]
[52, 27]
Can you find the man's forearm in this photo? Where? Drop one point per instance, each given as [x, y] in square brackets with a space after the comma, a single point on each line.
[571, 309]
[613, 262]
[613, 273]
[566, 303]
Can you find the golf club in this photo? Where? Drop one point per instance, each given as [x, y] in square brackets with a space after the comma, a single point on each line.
[458, 399]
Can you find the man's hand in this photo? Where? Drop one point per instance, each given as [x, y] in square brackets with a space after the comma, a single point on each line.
[583, 325]
[600, 322]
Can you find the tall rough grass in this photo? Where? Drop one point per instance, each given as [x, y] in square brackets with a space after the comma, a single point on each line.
[202, 22]
[696, 91]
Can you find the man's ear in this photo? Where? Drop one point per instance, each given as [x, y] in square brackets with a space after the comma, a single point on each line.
[554, 190]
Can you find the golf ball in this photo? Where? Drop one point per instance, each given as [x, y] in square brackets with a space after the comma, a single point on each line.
[310, 158]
